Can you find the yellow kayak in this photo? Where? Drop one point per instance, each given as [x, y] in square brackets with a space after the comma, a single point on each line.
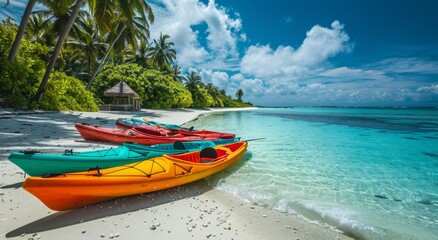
[77, 189]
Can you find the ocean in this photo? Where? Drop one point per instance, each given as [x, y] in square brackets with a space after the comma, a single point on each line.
[373, 173]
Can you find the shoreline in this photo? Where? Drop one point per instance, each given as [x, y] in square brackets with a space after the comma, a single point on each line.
[191, 211]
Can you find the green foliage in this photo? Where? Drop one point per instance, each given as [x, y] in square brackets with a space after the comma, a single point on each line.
[229, 102]
[111, 74]
[215, 94]
[67, 93]
[239, 95]
[19, 78]
[155, 89]
[202, 98]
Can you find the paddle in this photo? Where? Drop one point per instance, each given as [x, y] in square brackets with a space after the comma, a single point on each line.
[254, 139]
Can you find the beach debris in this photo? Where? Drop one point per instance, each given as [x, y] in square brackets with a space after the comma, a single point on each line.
[153, 227]
[83, 231]
[264, 215]
[102, 235]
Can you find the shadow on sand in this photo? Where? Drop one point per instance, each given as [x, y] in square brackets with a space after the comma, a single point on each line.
[126, 204]
[42, 130]
[112, 208]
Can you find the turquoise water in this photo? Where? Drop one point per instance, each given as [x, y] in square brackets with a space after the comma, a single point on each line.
[370, 172]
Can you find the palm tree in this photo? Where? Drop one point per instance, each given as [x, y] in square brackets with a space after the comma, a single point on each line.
[192, 81]
[162, 53]
[141, 55]
[175, 72]
[104, 12]
[39, 29]
[127, 33]
[86, 42]
[239, 95]
[57, 50]
[22, 27]
[58, 6]
[215, 94]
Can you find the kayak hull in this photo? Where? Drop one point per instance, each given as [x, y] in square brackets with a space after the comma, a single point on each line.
[78, 189]
[128, 124]
[38, 164]
[136, 135]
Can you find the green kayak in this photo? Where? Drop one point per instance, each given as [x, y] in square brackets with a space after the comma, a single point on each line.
[39, 164]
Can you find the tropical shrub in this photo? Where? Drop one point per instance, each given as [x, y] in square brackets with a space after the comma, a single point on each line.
[67, 93]
[19, 78]
[202, 99]
[155, 89]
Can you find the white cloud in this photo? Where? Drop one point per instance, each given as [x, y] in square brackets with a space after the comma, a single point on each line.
[321, 43]
[253, 88]
[179, 19]
[407, 65]
[428, 89]
[345, 73]
[218, 78]
[285, 62]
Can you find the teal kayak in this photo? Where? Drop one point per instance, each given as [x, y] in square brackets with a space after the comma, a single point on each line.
[38, 164]
[173, 148]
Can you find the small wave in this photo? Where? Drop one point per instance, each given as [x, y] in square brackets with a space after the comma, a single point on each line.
[333, 217]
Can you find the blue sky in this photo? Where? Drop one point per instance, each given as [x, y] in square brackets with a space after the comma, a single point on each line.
[307, 53]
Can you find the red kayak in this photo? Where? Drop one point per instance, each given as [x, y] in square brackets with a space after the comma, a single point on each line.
[201, 133]
[136, 135]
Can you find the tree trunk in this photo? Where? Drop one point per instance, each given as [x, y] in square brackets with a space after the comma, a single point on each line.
[20, 33]
[97, 70]
[57, 50]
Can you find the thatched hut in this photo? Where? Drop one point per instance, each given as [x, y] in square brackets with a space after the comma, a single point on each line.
[123, 98]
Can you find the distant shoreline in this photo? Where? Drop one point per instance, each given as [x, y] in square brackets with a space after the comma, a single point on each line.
[350, 107]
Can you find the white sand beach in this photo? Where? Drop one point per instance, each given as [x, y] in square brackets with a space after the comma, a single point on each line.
[193, 211]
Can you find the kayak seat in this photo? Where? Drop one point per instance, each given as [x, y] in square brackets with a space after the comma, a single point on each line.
[177, 145]
[209, 154]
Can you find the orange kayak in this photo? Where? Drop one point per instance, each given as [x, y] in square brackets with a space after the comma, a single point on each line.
[136, 135]
[77, 189]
